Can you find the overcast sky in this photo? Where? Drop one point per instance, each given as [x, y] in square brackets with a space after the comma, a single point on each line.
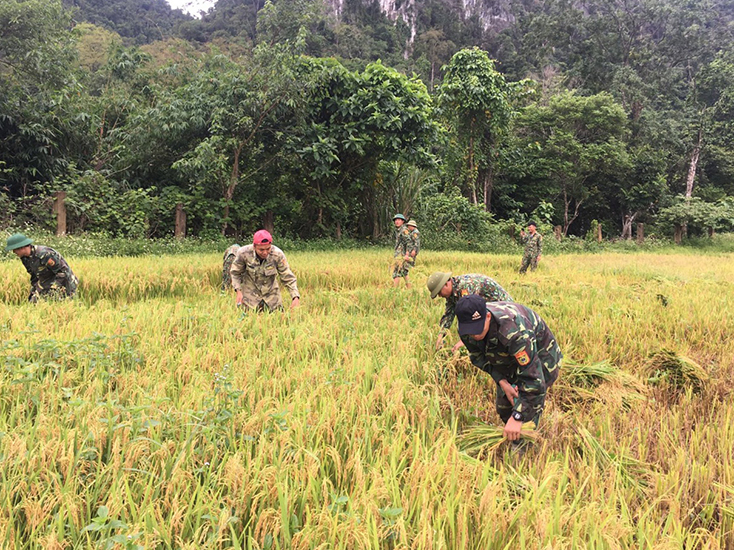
[192, 7]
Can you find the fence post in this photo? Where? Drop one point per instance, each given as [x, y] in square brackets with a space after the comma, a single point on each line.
[179, 230]
[640, 233]
[59, 209]
[678, 235]
[557, 232]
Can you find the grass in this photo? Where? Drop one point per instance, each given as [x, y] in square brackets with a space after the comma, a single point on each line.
[151, 413]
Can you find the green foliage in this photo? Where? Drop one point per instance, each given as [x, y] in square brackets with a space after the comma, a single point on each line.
[698, 214]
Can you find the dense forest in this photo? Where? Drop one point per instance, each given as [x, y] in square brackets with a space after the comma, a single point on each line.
[324, 119]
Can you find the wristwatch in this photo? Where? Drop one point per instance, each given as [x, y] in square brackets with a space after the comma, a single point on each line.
[517, 415]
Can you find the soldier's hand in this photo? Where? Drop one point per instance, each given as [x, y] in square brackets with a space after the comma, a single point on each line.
[510, 391]
[457, 346]
[512, 429]
[295, 302]
[238, 298]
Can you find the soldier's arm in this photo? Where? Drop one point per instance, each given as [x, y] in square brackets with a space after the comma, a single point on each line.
[448, 317]
[540, 244]
[237, 271]
[287, 277]
[55, 264]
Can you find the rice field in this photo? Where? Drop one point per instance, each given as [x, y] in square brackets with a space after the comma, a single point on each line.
[151, 413]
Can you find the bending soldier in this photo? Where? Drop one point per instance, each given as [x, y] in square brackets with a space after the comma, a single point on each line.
[51, 276]
[453, 288]
[254, 272]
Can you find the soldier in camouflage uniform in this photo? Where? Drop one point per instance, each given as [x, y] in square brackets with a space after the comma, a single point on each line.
[517, 349]
[51, 276]
[254, 271]
[533, 247]
[453, 288]
[229, 255]
[403, 260]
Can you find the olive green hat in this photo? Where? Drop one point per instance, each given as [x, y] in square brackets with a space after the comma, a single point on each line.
[412, 222]
[17, 241]
[436, 281]
[398, 217]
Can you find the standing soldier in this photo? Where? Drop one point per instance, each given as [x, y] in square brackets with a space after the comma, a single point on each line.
[516, 348]
[402, 260]
[229, 256]
[453, 288]
[414, 246]
[254, 273]
[533, 247]
[51, 276]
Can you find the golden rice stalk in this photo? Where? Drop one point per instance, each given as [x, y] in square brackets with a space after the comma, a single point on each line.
[678, 371]
[486, 438]
[588, 375]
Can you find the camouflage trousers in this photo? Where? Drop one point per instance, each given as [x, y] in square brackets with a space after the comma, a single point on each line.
[528, 261]
[262, 306]
[401, 267]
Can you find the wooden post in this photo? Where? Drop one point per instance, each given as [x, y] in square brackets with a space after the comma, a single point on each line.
[598, 233]
[179, 230]
[678, 234]
[60, 210]
[511, 231]
[557, 231]
[640, 233]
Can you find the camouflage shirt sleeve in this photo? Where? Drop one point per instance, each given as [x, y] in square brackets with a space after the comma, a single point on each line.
[287, 277]
[237, 271]
[522, 344]
[449, 314]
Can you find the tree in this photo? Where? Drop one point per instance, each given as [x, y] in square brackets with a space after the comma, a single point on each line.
[581, 147]
[354, 122]
[477, 103]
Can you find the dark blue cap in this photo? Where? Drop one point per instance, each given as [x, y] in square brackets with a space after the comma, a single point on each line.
[471, 312]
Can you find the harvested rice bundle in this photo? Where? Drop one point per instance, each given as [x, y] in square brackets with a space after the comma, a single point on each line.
[587, 375]
[487, 438]
[678, 371]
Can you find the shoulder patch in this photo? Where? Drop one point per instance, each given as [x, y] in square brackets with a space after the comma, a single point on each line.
[522, 357]
[464, 292]
[50, 262]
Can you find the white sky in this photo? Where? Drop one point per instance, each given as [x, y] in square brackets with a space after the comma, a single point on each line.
[192, 7]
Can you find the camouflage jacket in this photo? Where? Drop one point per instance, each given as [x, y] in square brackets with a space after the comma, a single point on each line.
[403, 241]
[49, 273]
[229, 256]
[533, 244]
[257, 280]
[472, 283]
[520, 348]
[414, 246]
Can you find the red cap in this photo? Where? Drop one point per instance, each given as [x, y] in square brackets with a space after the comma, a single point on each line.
[262, 237]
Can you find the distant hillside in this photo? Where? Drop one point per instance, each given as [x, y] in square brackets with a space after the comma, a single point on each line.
[140, 21]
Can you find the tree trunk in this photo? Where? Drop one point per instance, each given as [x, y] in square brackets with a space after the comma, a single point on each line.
[472, 174]
[693, 165]
[488, 187]
[234, 177]
[678, 234]
[338, 230]
[558, 232]
[627, 226]
[598, 233]
[269, 221]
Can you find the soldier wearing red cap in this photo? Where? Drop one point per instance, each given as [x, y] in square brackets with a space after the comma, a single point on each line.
[254, 272]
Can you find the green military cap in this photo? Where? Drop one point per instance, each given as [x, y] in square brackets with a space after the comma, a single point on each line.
[17, 241]
[436, 281]
[398, 217]
[412, 222]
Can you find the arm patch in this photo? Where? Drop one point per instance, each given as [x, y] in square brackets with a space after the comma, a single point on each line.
[522, 358]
